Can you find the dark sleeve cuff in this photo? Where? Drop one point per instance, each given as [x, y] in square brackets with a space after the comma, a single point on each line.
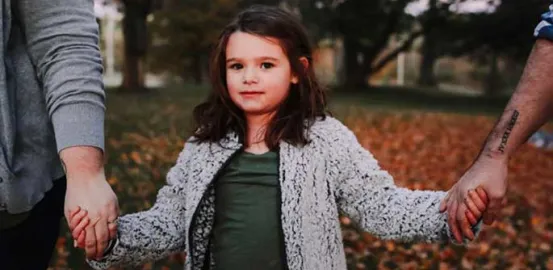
[545, 28]
[111, 245]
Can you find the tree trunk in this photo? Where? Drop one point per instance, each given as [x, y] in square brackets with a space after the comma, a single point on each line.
[355, 74]
[493, 84]
[131, 76]
[429, 57]
[136, 41]
[429, 53]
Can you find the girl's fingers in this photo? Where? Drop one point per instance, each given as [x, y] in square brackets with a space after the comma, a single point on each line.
[471, 218]
[477, 201]
[471, 205]
[76, 219]
[80, 228]
[81, 240]
[483, 195]
[73, 212]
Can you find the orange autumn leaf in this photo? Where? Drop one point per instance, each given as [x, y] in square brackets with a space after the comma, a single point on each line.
[135, 156]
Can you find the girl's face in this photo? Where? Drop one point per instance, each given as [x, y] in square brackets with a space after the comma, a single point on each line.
[258, 73]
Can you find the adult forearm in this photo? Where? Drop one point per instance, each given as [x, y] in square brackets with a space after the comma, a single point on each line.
[530, 106]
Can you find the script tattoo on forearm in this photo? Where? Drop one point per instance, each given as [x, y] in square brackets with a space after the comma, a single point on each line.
[510, 127]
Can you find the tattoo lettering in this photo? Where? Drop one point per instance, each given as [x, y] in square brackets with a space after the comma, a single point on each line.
[510, 127]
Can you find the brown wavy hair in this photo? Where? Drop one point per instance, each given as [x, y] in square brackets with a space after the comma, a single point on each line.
[306, 101]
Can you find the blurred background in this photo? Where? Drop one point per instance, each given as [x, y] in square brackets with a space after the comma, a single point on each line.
[421, 83]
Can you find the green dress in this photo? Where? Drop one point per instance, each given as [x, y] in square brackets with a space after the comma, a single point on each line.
[247, 233]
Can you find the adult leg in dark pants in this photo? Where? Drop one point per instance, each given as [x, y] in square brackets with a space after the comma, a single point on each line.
[30, 244]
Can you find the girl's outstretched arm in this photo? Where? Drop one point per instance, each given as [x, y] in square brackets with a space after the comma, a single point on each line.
[156, 233]
[367, 194]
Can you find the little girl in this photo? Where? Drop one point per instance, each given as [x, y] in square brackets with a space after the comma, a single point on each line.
[261, 183]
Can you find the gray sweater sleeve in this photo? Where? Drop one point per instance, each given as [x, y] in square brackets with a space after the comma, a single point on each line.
[62, 39]
[368, 195]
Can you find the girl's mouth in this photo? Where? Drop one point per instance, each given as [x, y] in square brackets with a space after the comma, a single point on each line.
[251, 93]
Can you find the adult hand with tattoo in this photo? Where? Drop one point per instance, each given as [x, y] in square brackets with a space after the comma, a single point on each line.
[491, 175]
[530, 106]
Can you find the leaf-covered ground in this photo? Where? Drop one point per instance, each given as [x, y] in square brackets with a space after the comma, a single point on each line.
[421, 149]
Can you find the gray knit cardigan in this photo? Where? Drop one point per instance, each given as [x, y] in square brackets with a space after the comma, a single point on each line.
[331, 175]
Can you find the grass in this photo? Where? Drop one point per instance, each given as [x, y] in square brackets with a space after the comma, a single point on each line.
[396, 98]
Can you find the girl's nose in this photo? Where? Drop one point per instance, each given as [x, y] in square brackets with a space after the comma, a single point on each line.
[250, 76]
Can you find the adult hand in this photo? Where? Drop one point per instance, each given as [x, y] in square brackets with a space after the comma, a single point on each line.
[93, 194]
[491, 175]
[88, 189]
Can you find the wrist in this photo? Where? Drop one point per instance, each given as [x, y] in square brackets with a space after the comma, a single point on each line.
[494, 156]
[82, 161]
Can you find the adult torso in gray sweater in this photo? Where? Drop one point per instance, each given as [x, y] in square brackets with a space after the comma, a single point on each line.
[51, 93]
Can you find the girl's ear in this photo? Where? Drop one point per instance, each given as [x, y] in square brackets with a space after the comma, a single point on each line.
[294, 79]
[305, 63]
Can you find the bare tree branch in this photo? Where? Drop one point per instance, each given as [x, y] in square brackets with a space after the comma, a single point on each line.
[393, 54]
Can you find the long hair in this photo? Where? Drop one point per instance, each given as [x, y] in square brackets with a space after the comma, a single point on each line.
[306, 101]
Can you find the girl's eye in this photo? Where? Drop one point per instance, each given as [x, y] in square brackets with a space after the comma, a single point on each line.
[235, 66]
[267, 65]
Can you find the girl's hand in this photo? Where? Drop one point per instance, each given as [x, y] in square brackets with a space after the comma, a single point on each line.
[477, 203]
[77, 224]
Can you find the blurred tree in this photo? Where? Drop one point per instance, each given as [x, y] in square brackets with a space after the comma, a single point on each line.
[433, 23]
[501, 33]
[441, 27]
[505, 34]
[183, 33]
[365, 28]
[136, 40]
